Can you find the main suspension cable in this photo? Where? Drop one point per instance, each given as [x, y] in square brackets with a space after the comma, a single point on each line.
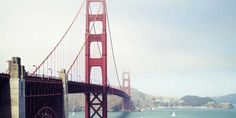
[113, 54]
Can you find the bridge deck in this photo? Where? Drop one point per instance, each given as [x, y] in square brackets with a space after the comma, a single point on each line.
[78, 87]
[73, 87]
[48, 91]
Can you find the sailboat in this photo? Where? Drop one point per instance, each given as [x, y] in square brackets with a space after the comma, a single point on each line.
[73, 113]
[173, 114]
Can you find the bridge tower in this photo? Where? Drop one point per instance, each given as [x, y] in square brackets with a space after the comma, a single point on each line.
[96, 103]
[128, 104]
[126, 83]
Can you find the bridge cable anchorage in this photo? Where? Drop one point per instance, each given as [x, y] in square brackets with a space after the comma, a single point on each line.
[113, 53]
[86, 39]
[62, 38]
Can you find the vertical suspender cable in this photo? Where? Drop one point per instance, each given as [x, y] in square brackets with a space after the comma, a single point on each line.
[60, 39]
[86, 39]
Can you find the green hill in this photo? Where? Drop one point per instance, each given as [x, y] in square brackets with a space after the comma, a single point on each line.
[195, 100]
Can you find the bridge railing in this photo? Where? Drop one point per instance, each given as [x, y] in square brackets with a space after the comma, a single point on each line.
[4, 75]
[42, 76]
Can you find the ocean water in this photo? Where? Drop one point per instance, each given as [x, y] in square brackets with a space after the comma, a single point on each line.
[166, 113]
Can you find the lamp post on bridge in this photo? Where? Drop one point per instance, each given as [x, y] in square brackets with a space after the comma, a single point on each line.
[50, 71]
[36, 67]
[70, 77]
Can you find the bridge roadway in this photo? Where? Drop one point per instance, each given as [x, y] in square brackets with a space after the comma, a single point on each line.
[78, 87]
[45, 94]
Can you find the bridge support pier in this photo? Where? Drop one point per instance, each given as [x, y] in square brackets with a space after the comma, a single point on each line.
[128, 105]
[17, 88]
[64, 77]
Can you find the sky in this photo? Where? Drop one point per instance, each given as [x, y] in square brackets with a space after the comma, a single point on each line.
[170, 47]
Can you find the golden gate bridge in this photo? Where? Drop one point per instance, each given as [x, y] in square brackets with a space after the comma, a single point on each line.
[42, 94]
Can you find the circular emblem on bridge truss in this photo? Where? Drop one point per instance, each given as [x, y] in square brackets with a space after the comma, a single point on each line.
[45, 112]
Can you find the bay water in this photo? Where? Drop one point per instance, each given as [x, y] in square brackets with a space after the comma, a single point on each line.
[166, 113]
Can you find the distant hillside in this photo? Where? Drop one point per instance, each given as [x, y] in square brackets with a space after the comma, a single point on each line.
[144, 101]
[140, 100]
[231, 98]
[195, 100]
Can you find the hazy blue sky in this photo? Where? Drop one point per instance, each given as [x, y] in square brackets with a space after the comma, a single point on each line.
[171, 47]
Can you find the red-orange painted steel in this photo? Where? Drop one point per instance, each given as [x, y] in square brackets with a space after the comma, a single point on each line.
[90, 110]
[126, 83]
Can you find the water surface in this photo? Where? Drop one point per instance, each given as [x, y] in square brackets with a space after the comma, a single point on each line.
[166, 113]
